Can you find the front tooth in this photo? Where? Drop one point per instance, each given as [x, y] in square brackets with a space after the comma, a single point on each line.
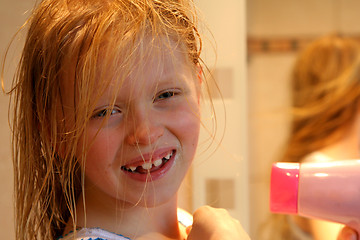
[147, 166]
[133, 168]
[168, 156]
[157, 162]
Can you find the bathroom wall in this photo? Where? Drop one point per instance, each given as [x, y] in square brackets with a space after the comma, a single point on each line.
[279, 23]
[220, 178]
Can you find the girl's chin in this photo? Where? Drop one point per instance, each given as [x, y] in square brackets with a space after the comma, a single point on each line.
[151, 197]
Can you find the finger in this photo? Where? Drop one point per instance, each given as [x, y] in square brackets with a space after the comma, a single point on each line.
[347, 234]
[188, 229]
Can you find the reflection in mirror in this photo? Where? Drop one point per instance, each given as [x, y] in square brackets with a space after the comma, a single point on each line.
[278, 31]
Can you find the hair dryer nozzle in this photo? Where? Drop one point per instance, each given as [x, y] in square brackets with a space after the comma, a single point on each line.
[284, 188]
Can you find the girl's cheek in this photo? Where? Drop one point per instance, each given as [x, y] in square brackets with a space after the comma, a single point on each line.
[97, 145]
[188, 120]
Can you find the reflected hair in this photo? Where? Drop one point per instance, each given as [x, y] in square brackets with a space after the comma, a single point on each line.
[325, 95]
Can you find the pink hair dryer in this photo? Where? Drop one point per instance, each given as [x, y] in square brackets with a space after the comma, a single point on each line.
[328, 191]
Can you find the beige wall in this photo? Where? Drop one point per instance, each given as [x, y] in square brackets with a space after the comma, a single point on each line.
[12, 16]
[268, 75]
[220, 179]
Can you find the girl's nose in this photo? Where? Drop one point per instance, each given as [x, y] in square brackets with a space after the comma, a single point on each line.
[145, 132]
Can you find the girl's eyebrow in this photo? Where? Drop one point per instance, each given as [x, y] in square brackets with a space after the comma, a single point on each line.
[174, 75]
[172, 82]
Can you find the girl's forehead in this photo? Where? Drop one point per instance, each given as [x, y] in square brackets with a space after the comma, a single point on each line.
[150, 63]
[151, 59]
[159, 68]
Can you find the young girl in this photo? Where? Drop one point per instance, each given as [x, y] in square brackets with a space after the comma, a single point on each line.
[106, 121]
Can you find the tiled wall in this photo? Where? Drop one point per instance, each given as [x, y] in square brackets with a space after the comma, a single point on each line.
[220, 178]
[268, 75]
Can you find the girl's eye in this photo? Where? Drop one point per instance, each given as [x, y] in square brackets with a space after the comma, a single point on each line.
[106, 112]
[166, 94]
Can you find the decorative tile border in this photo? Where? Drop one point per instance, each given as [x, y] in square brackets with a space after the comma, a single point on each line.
[263, 45]
[275, 45]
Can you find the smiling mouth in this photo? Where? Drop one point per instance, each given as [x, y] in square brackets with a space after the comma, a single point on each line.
[148, 167]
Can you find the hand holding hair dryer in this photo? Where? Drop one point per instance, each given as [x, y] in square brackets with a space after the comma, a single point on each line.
[328, 191]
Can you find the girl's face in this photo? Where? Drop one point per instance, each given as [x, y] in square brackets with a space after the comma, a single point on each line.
[140, 149]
